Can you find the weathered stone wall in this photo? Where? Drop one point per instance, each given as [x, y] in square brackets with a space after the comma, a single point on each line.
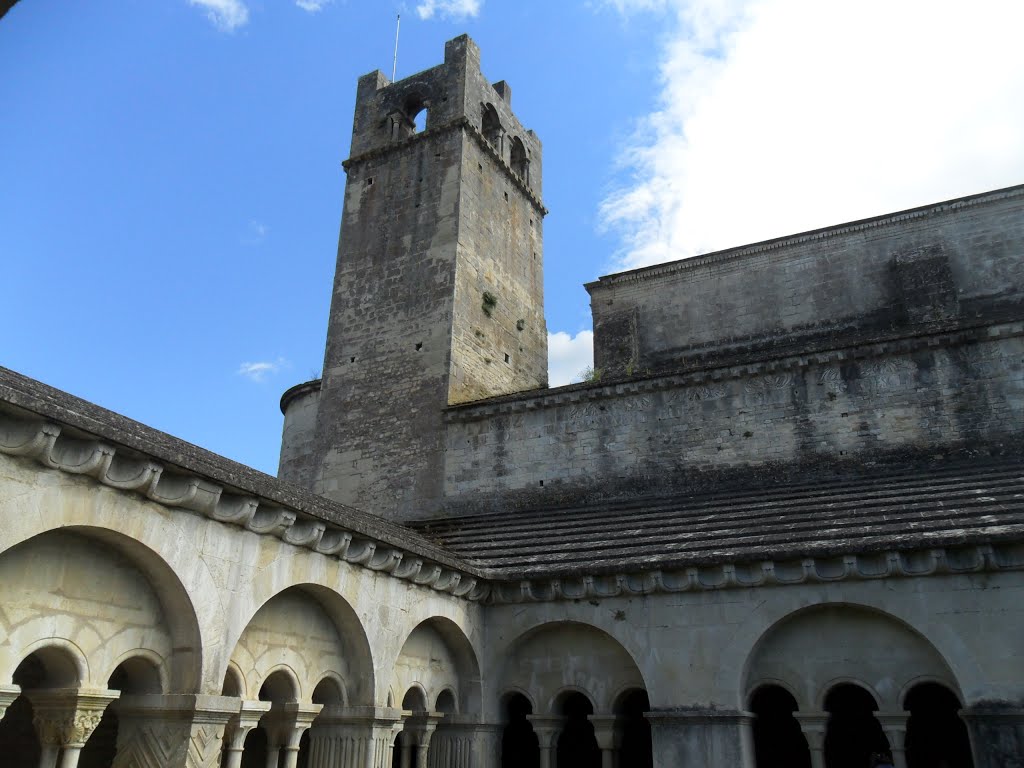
[948, 263]
[499, 342]
[924, 395]
[251, 600]
[438, 293]
[300, 406]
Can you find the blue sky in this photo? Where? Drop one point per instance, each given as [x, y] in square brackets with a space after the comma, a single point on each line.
[170, 178]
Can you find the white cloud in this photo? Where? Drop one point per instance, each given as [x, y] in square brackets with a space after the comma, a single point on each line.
[452, 9]
[569, 356]
[260, 370]
[778, 116]
[256, 232]
[313, 6]
[226, 15]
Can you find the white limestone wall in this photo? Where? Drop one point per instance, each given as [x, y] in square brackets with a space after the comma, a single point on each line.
[710, 649]
[211, 581]
[103, 576]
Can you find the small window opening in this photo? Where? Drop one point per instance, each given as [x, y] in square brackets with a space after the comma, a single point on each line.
[506, 357]
[352, 360]
[369, 181]
[491, 127]
[542, 482]
[520, 160]
[419, 345]
[419, 121]
[416, 111]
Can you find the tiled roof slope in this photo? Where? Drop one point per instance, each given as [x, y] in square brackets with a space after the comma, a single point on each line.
[945, 504]
[29, 396]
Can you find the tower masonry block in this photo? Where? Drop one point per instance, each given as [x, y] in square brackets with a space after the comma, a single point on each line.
[438, 291]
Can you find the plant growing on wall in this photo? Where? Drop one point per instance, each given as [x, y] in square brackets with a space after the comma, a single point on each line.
[489, 303]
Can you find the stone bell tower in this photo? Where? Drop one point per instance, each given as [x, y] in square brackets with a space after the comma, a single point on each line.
[438, 290]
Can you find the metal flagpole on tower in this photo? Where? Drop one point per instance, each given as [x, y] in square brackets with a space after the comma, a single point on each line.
[394, 66]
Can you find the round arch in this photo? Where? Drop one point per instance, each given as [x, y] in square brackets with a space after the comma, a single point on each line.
[733, 679]
[159, 545]
[334, 642]
[434, 639]
[545, 661]
[807, 652]
[152, 616]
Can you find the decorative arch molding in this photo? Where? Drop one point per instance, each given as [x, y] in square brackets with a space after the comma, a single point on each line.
[73, 656]
[157, 547]
[523, 660]
[515, 690]
[355, 649]
[829, 685]
[288, 673]
[553, 704]
[338, 682]
[152, 657]
[812, 695]
[767, 682]
[420, 691]
[921, 680]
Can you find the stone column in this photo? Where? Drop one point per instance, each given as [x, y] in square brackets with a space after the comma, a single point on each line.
[895, 726]
[997, 734]
[353, 737]
[701, 737]
[172, 731]
[285, 724]
[8, 693]
[547, 728]
[814, 725]
[64, 720]
[420, 728]
[609, 738]
[238, 727]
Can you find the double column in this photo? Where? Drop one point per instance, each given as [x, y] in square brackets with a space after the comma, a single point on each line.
[244, 720]
[285, 724]
[547, 728]
[815, 725]
[64, 720]
[418, 728]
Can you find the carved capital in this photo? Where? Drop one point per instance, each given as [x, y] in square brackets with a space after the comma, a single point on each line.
[547, 728]
[67, 717]
[62, 729]
[606, 730]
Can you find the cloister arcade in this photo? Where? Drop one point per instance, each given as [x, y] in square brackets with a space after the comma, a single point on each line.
[134, 636]
[103, 668]
[816, 704]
